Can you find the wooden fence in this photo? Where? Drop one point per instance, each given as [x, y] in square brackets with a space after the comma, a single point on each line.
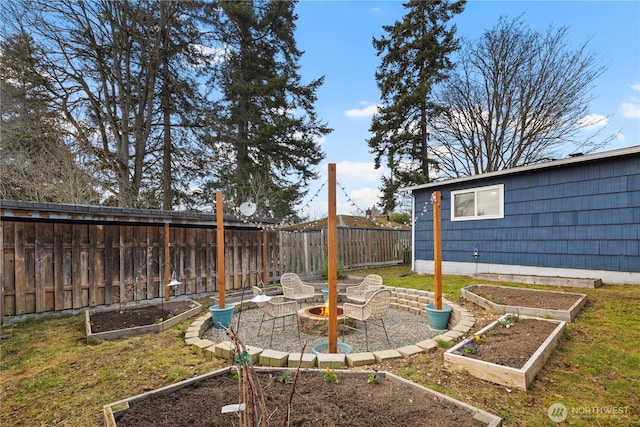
[305, 252]
[55, 257]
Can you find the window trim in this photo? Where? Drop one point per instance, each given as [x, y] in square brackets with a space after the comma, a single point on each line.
[475, 191]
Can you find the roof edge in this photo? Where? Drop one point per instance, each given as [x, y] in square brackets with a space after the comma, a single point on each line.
[554, 163]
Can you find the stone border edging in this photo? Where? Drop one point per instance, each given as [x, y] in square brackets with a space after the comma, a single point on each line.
[411, 300]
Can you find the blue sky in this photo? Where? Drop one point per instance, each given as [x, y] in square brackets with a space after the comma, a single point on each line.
[336, 38]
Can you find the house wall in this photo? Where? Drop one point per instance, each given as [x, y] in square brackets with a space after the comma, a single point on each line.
[582, 218]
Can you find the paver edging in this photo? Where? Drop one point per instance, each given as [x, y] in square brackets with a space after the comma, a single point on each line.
[465, 320]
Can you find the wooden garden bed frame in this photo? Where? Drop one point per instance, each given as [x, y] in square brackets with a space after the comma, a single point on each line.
[139, 330]
[520, 378]
[565, 315]
[480, 417]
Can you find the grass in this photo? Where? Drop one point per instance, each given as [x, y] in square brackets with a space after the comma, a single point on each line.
[51, 377]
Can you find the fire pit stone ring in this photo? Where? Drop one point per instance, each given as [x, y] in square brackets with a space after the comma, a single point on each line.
[312, 322]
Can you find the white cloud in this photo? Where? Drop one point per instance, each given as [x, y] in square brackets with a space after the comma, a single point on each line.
[630, 110]
[367, 111]
[357, 173]
[360, 181]
[635, 86]
[366, 197]
[592, 121]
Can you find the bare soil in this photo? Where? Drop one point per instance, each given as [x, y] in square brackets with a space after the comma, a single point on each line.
[526, 297]
[512, 346]
[103, 321]
[351, 402]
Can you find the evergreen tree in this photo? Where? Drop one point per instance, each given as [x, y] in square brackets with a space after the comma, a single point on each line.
[415, 57]
[264, 123]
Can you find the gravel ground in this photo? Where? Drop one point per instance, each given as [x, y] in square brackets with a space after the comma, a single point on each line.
[403, 328]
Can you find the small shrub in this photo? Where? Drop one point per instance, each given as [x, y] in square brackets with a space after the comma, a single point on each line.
[237, 374]
[341, 273]
[330, 376]
[509, 320]
[470, 348]
[286, 377]
[480, 339]
[373, 377]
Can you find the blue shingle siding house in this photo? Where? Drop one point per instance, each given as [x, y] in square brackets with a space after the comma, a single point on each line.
[576, 217]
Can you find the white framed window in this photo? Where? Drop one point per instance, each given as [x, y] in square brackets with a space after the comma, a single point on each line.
[478, 203]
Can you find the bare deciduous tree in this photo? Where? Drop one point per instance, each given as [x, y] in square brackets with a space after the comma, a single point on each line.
[102, 64]
[518, 97]
[35, 162]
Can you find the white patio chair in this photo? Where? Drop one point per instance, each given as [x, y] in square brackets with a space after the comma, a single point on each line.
[360, 293]
[275, 308]
[294, 288]
[376, 306]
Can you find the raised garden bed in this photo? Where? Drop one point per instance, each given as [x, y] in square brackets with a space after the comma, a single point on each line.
[352, 401]
[131, 321]
[510, 351]
[529, 302]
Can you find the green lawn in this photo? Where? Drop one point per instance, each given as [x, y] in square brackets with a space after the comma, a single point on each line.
[49, 376]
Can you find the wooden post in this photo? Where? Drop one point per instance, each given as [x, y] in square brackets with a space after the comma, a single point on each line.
[220, 248]
[332, 261]
[437, 250]
[167, 263]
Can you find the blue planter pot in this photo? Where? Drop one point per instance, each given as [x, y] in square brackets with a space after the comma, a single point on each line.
[438, 319]
[323, 347]
[221, 316]
[325, 294]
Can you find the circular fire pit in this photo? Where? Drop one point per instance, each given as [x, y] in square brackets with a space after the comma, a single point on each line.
[312, 322]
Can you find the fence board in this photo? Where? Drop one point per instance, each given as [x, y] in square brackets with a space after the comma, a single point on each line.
[40, 288]
[53, 266]
[190, 261]
[152, 263]
[20, 275]
[78, 265]
[48, 267]
[96, 272]
[201, 244]
[111, 262]
[67, 267]
[139, 252]
[10, 268]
